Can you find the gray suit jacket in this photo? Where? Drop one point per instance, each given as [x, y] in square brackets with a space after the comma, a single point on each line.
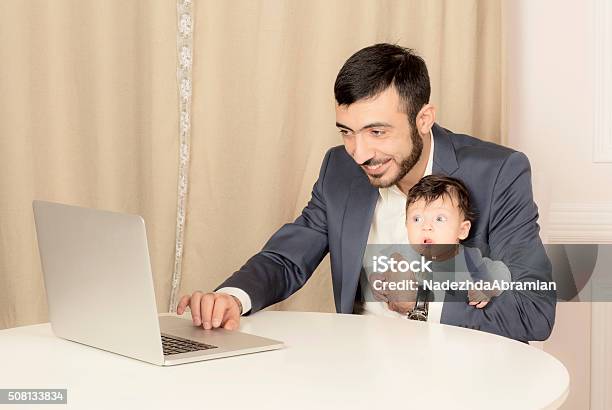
[338, 216]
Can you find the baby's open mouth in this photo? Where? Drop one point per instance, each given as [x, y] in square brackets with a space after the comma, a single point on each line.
[428, 241]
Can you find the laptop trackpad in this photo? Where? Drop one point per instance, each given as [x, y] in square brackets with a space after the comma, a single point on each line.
[173, 322]
[177, 326]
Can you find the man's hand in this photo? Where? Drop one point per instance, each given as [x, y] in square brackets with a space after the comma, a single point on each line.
[212, 310]
[401, 301]
[477, 298]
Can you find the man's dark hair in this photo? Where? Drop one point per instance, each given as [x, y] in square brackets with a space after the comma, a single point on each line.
[373, 69]
[432, 187]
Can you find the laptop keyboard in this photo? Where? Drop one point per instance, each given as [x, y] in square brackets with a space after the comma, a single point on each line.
[175, 345]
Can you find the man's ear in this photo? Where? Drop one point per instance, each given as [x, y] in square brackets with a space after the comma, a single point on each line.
[426, 118]
[464, 229]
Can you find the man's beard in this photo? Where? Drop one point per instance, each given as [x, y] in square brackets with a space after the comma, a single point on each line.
[405, 165]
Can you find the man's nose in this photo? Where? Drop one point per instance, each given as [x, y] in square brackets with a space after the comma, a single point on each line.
[362, 151]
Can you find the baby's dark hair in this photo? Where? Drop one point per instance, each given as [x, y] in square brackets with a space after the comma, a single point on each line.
[432, 187]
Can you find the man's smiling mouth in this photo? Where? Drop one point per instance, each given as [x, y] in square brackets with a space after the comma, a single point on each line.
[374, 169]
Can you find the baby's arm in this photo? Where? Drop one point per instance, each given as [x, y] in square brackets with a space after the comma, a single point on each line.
[493, 272]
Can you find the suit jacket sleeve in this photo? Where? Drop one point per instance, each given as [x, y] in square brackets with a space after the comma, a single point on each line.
[291, 255]
[514, 239]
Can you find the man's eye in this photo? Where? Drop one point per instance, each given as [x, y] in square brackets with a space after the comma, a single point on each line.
[378, 133]
[343, 132]
[440, 218]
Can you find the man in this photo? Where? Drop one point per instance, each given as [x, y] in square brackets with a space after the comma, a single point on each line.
[391, 140]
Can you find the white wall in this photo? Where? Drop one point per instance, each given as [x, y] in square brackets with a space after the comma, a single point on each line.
[551, 98]
[554, 82]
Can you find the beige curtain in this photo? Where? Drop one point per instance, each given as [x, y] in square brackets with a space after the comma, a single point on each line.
[89, 116]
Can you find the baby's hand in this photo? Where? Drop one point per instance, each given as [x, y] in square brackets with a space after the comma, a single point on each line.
[477, 298]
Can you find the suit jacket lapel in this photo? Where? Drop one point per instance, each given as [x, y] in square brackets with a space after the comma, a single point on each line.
[445, 159]
[356, 223]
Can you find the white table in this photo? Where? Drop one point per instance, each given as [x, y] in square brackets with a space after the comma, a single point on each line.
[331, 361]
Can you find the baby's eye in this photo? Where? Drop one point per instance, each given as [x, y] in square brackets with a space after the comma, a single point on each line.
[417, 218]
[440, 218]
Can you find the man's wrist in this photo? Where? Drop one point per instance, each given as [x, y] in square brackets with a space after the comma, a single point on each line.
[239, 303]
[241, 295]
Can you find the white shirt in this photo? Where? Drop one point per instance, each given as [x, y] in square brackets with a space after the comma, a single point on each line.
[388, 227]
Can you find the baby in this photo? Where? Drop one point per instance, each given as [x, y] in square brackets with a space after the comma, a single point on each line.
[438, 217]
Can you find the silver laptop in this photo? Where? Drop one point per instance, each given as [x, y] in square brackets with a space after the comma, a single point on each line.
[100, 291]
